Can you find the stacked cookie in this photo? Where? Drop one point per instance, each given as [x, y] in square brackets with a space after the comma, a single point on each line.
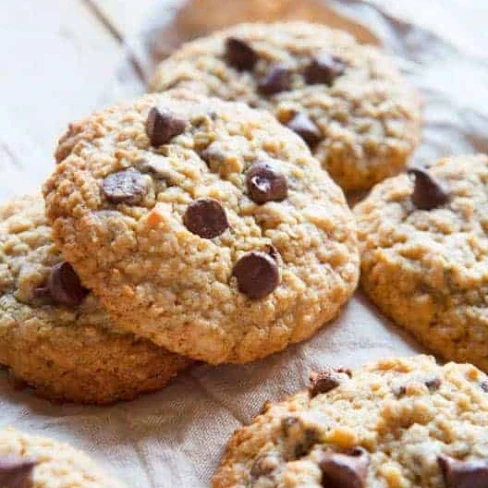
[55, 335]
[207, 222]
[186, 227]
[202, 225]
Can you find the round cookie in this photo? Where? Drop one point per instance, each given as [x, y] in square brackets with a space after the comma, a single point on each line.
[347, 100]
[28, 461]
[396, 423]
[424, 245]
[53, 334]
[203, 225]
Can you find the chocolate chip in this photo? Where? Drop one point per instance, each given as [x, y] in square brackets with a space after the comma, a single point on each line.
[278, 79]
[324, 69]
[206, 218]
[126, 186]
[302, 125]
[289, 425]
[65, 287]
[433, 384]
[265, 464]
[484, 386]
[257, 274]
[428, 191]
[326, 381]
[299, 438]
[347, 470]
[346, 371]
[463, 474]
[16, 471]
[264, 184]
[162, 125]
[240, 55]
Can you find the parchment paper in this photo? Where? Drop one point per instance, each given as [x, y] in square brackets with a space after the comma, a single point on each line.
[176, 436]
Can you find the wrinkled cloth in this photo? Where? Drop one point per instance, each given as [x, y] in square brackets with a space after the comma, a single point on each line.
[175, 437]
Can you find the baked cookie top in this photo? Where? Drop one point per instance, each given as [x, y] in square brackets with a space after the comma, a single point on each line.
[396, 423]
[346, 100]
[424, 246]
[56, 336]
[203, 225]
[28, 461]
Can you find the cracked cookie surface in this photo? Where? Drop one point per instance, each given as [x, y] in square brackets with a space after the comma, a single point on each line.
[424, 246]
[359, 116]
[31, 461]
[65, 350]
[203, 225]
[394, 423]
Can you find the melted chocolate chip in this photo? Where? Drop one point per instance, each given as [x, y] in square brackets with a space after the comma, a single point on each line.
[257, 274]
[326, 381]
[265, 464]
[484, 386]
[302, 125]
[16, 471]
[347, 470]
[65, 287]
[299, 438]
[240, 55]
[288, 424]
[433, 384]
[162, 125]
[428, 192]
[463, 474]
[126, 186]
[206, 218]
[264, 184]
[277, 80]
[324, 69]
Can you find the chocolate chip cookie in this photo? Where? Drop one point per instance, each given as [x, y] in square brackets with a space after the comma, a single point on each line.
[397, 423]
[424, 245]
[203, 225]
[346, 100]
[28, 461]
[54, 335]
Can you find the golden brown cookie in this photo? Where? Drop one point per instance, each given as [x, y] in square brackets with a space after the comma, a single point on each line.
[395, 423]
[346, 100]
[203, 225]
[424, 247]
[54, 335]
[28, 461]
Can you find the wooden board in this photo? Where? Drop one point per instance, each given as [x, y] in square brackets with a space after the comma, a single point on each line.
[56, 58]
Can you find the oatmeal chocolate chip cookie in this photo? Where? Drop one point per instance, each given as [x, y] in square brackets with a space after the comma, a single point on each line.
[203, 225]
[346, 100]
[405, 423]
[424, 244]
[28, 461]
[54, 335]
